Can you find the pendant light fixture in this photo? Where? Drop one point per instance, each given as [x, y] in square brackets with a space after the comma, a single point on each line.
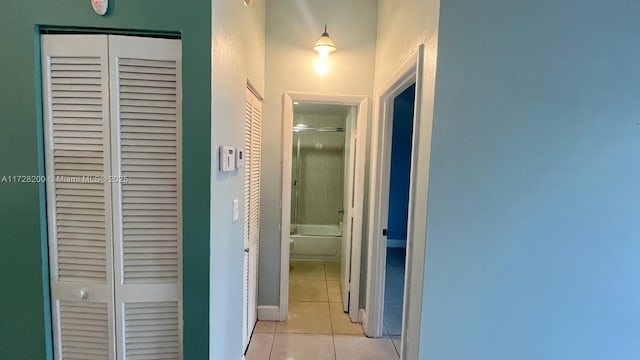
[325, 45]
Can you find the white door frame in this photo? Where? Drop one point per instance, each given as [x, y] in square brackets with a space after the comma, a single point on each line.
[361, 102]
[410, 72]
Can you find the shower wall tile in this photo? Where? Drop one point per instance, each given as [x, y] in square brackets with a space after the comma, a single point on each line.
[321, 173]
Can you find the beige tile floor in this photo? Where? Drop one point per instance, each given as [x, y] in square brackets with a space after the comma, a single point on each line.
[317, 327]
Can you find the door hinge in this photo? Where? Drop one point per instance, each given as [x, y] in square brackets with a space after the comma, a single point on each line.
[384, 232]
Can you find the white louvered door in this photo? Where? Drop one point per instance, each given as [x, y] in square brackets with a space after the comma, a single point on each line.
[254, 232]
[248, 116]
[77, 157]
[113, 108]
[146, 116]
[252, 144]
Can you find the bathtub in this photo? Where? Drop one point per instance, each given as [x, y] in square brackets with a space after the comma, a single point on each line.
[316, 242]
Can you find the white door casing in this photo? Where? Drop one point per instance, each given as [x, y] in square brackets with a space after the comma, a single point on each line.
[361, 102]
[348, 205]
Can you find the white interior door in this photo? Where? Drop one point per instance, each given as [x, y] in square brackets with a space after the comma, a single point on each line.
[252, 147]
[146, 112]
[76, 111]
[113, 152]
[348, 217]
[254, 232]
[248, 116]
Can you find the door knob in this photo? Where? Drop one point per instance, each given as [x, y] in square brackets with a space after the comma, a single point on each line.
[84, 294]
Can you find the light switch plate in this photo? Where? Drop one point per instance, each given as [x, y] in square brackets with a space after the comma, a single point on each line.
[236, 210]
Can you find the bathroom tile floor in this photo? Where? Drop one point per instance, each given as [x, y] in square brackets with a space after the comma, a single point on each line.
[317, 327]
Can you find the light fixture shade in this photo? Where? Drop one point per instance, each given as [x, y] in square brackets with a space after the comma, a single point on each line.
[325, 45]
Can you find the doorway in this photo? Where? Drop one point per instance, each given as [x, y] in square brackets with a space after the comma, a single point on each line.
[412, 71]
[398, 211]
[323, 178]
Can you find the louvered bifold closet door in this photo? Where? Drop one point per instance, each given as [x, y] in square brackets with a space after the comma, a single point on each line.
[76, 120]
[254, 226]
[248, 116]
[147, 104]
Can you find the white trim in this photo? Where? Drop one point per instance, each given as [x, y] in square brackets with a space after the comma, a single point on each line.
[268, 313]
[362, 103]
[412, 70]
[362, 316]
[418, 201]
[285, 205]
[396, 243]
[379, 190]
[254, 90]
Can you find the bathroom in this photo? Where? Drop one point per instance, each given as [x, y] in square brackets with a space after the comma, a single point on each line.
[318, 161]
[321, 137]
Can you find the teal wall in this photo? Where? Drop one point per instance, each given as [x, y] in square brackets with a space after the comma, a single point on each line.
[23, 296]
[533, 228]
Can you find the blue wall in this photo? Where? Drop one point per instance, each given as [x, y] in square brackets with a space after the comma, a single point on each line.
[533, 244]
[401, 164]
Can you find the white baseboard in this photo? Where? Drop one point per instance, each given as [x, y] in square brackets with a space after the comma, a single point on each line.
[269, 313]
[396, 243]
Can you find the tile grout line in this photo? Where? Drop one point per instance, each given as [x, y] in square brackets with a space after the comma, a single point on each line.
[398, 273]
[273, 343]
[324, 270]
[394, 346]
[333, 335]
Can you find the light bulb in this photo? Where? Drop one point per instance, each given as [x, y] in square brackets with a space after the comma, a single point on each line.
[322, 65]
[324, 51]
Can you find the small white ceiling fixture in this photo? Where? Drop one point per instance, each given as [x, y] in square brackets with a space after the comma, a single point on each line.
[100, 6]
[249, 2]
[325, 45]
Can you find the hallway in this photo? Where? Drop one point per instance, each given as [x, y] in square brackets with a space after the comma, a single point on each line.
[316, 327]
